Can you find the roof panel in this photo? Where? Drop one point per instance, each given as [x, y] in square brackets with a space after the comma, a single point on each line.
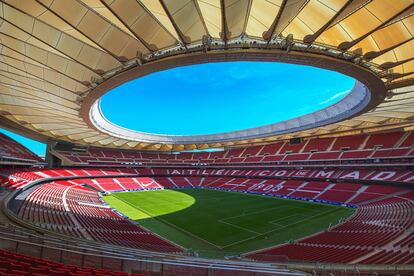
[236, 16]
[96, 28]
[389, 36]
[134, 16]
[373, 14]
[185, 16]
[211, 12]
[261, 16]
[100, 8]
[37, 10]
[158, 12]
[312, 17]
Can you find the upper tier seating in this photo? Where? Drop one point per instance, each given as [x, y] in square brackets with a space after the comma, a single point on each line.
[318, 144]
[383, 140]
[366, 148]
[349, 142]
[409, 140]
[11, 149]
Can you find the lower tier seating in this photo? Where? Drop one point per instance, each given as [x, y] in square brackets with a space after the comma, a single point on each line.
[19, 178]
[69, 208]
[14, 264]
[379, 233]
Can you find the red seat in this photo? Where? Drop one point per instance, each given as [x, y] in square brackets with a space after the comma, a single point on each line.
[9, 274]
[38, 270]
[56, 272]
[20, 272]
[118, 274]
[19, 266]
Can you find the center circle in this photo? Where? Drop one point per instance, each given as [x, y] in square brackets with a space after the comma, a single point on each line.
[222, 97]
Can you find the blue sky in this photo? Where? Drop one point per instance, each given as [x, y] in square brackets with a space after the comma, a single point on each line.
[219, 97]
[36, 147]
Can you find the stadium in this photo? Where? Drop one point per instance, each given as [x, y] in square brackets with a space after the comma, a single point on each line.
[268, 137]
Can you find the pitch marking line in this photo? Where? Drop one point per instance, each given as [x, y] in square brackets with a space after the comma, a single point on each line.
[233, 225]
[273, 230]
[255, 212]
[271, 222]
[225, 220]
[248, 214]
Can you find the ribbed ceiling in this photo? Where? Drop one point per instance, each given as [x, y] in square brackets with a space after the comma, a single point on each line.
[54, 52]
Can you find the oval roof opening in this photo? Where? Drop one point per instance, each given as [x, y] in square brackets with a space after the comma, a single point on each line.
[222, 97]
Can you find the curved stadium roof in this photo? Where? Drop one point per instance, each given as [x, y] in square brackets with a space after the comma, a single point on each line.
[58, 57]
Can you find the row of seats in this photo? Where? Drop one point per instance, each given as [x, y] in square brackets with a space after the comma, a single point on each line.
[376, 146]
[14, 264]
[19, 178]
[338, 173]
[367, 156]
[120, 184]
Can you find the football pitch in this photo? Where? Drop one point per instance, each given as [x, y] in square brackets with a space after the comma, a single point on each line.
[219, 223]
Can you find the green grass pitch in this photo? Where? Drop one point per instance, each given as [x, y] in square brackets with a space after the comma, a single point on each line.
[218, 223]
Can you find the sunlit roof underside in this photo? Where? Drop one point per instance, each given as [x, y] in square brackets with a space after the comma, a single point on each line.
[53, 53]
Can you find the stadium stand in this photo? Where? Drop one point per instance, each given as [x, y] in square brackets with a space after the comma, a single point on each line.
[68, 208]
[383, 210]
[13, 152]
[67, 201]
[385, 147]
